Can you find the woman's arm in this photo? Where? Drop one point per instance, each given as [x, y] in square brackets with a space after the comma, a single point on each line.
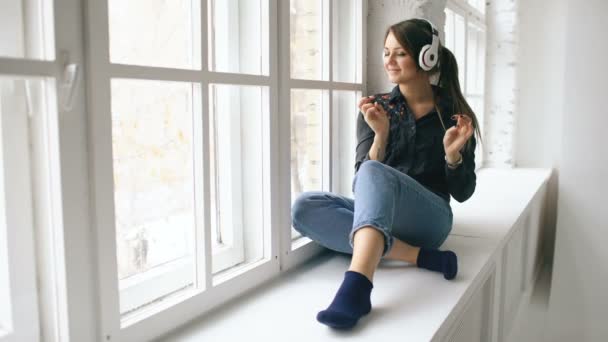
[462, 180]
[378, 149]
[370, 146]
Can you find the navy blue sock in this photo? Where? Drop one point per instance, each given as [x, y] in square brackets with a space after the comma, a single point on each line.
[350, 303]
[438, 261]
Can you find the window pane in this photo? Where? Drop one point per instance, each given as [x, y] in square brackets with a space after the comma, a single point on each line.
[476, 103]
[476, 65]
[306, 142]
[237, 191]
[26, 29]
[152, 141]
[344, 125]
[19, 295]
[481, 62]
[5, 297]
[239, 36]
[449, 29]
[155, 33]
[306, 39]
[347, 41]
[459, 44]
[473, 66]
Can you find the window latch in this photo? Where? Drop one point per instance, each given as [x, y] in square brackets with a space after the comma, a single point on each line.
[69, 83]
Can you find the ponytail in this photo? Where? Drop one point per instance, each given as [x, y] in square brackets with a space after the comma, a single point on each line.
[448, 80]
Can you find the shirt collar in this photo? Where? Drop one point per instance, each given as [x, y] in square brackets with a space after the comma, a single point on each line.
[395, 95]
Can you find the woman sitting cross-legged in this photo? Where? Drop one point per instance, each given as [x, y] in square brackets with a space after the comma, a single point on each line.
[415, 149]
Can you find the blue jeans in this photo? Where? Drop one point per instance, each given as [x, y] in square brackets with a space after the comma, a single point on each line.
[386, 199]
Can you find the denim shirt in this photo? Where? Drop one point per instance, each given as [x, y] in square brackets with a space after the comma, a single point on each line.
[415, 147]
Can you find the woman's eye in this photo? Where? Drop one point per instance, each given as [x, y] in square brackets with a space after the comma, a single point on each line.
[401, 54]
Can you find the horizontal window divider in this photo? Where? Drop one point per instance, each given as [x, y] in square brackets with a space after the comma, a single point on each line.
[185, 75]
[155, 73]
[315, 84]
[25, 67]
[238, 79]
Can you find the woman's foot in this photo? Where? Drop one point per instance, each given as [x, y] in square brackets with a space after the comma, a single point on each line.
[352, 301]
[445, 262]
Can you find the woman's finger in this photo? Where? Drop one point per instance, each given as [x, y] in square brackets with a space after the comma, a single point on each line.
[364, 100]
[380, 108]
[366, 107]
[372, 110]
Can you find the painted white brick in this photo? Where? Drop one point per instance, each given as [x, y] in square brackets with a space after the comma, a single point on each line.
[502, 94]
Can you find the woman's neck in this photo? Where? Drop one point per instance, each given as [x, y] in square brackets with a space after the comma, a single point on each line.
[417, 92]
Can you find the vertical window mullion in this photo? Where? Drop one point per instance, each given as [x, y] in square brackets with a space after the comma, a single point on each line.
[271, 132]
[328, 39]
[99, 107]
[466, 54]
[326, 114]
[327, 95]
[204, 262]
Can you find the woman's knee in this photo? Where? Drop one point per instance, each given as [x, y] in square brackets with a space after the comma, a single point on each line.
[375, 172]
[371, 166]
[303, 206]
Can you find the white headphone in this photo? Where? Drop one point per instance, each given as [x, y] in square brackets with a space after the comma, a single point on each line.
[429, 55]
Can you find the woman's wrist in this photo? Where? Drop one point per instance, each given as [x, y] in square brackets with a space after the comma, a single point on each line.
[381, 137]
[454, 160]
[378, 149]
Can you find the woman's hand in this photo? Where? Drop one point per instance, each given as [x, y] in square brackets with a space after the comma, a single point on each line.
[455, 137]
[374, 115]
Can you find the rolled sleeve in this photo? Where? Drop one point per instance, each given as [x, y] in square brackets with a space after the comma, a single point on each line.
[462, 180]
[365, 140]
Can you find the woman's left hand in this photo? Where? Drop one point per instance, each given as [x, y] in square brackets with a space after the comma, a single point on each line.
[455, 137]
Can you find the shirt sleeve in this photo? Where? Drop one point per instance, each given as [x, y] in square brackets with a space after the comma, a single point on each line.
[462, 180]
[365, 140]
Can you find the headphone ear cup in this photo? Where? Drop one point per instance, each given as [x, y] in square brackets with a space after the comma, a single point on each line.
[423, 58]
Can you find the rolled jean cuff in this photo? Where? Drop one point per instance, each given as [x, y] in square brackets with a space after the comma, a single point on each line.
[388, 238]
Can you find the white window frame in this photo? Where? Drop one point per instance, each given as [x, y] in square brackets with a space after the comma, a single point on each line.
[159, 319]
[18, 238]
[37, 262]
[64, 195]
[472, 16]
[301, 248]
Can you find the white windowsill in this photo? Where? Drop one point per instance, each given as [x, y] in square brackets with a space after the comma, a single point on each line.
[407, 302]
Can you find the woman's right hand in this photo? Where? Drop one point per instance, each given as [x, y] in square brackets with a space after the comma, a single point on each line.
[375, 115]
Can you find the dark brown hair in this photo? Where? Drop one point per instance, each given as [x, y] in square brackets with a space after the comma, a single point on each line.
[413, 34]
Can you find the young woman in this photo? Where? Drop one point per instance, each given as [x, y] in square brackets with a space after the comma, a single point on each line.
[415, 149]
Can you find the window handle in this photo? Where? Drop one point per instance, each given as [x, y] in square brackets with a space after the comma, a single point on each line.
[71, 73]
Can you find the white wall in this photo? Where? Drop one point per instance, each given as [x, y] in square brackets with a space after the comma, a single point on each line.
[578, 306]
[540, 74]
[502, 85]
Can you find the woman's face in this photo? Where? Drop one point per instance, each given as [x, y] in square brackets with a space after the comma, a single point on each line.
[398, 64]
